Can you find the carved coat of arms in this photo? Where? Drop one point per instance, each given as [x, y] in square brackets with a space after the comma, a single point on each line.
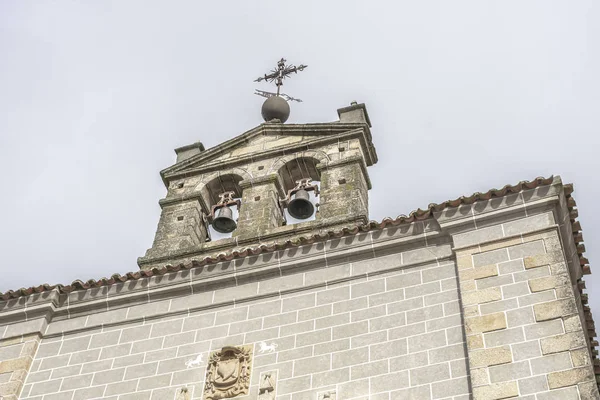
[228, 373]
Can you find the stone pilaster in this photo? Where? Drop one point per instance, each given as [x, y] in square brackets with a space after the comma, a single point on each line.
[16, 357]
[260, 211]
[344, 190]
[524, 332]
[180, 228]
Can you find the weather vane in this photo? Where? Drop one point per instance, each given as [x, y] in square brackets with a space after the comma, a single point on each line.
[276, 107]
[277, 75]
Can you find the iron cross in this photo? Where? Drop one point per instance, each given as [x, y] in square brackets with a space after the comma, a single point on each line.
[282, 71]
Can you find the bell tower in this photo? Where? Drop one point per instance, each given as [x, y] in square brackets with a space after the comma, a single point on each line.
[272, 183]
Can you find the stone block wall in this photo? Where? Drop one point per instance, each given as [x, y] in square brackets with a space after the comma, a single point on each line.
[383, 328]
[16, 356]
[524, 330]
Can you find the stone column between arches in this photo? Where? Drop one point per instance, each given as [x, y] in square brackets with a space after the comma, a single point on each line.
[260, 212]
[523, 328]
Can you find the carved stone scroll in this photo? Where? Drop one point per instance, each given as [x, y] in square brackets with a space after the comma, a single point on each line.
[228, 372]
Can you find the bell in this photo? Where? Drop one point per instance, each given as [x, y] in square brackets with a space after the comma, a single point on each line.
[301, 207]
[224, 222]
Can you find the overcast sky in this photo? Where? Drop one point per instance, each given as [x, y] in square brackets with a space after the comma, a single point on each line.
[464, 96]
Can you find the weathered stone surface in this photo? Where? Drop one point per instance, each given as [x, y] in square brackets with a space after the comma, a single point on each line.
[15, 364]
[554, 309]
[580, 357]
[487, 357]
[548, 282]
[228, 373]
[482, 296]
[572, 323]
[588, 391]
[479, 272]
[475, 342]
[503, 390]
[479, 377]
[485, 323]
[568, 341]
[570, 377]
[543, 259]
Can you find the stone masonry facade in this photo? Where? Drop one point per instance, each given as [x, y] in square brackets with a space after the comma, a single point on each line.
[476, 299]
[398, 333]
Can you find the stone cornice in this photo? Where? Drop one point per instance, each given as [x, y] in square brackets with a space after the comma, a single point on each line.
[71, 312]
[226, 244]
[189, 167]
[458, 224]
[182, 199]
[79, 311]
[197, 145]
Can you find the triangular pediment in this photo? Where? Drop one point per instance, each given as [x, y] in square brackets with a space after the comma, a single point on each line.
[268, 139]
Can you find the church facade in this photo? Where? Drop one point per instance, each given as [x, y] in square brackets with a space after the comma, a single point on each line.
[267, 280]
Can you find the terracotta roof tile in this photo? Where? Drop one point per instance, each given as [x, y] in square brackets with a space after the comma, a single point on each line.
[416, 215]
[419, 214]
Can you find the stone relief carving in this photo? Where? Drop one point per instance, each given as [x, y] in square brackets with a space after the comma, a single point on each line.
[194, 362]
[266, 388]
[267, 348]
[183, 394]
[228, 372]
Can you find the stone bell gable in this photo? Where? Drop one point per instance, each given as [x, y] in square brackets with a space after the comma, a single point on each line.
[260, 168]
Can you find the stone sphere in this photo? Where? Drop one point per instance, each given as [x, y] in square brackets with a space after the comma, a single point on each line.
[275, 108]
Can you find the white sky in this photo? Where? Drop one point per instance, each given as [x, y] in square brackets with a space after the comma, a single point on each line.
[463, 95]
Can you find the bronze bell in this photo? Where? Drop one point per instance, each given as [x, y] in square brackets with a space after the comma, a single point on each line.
[224, 222]
[301, 207]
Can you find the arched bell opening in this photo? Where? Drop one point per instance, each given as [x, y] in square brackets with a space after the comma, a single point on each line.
[301, 181]
[223, 196]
